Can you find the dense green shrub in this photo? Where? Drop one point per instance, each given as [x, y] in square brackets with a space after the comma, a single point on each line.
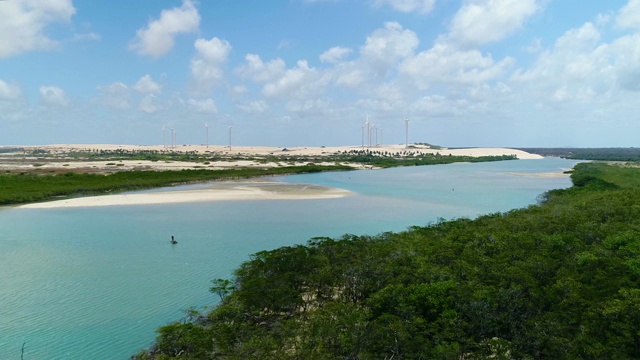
[559, 280]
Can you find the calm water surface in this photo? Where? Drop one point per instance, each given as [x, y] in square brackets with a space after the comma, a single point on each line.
[96, 282]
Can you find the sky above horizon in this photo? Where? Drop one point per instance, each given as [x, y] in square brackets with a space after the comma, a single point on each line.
[513, 73]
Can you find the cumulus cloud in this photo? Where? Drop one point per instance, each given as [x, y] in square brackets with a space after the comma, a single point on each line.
[293, 82]
[444, 63]
[259, 71]
[581, 68]
[207, 64]
[629, 15]
[482, 22]
[335, 54]
[9, 92]
[146, 85]
[627, 62]
[159, 36]
[254, 107]
[407, 6]
[23, 24]
[204, 106]
[385, 47]
[149, 104]
[115, 95]
[53, 95]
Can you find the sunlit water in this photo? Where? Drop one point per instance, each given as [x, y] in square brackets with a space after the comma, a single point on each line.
[95, 283]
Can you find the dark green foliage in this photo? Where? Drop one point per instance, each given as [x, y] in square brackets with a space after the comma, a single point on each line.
[560, 280]
[23, 188]
[410, 158]
[605, 154]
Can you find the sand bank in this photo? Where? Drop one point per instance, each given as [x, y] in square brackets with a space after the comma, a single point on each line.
[221, 192]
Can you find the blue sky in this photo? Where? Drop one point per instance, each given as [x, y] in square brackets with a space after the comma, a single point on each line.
[310, 72]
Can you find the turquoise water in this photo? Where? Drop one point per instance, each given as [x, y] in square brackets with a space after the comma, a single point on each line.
[96, 282]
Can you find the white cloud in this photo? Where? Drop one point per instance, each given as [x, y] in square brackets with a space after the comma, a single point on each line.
[146, 85]
[350, 76]
[259, 71]
[9, 92]
[629, 15]
[335, 54]
[480, 22]
[239, 90]
[206, 106]
[407, 6]
[626, 57]
[254, 107]
[23, 23]
[159, 35]
[446, 64]
[439, 105]
[206, 66]
[149, 104]
[582, 70]
[385, 47]
[294, 82]
[53, 95]
[116, 95]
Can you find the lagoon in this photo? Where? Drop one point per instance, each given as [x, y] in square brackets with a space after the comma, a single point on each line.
[79, 283]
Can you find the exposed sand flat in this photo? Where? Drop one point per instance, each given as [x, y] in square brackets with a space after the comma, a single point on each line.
[242, 191]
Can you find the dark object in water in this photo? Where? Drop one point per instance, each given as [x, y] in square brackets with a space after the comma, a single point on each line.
[173, 240]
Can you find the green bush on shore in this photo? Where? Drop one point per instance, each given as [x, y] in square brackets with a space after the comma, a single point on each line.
[558, 280]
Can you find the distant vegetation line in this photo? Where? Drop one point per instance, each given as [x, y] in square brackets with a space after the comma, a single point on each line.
[25, 188]
[558, 280]
[604, 154]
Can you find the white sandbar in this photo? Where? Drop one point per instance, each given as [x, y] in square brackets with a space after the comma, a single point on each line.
[266, 191]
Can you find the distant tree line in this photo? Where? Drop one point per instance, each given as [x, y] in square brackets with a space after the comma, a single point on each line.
[25, 188]
[557, 280]
[605, 154]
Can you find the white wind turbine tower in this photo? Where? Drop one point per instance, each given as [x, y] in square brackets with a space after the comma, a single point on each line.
[368, 131]
[229, 138]
[172, 138]
[206, 127]
[406, 132]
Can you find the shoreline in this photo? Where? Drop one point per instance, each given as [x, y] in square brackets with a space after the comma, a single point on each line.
[62, 158]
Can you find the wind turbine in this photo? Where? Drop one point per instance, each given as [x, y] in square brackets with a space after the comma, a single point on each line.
[406, 131]
[173, 137]
[368, 131]
[206, 127]
[229, 138]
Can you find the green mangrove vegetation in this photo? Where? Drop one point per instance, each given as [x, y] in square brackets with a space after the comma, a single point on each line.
[604, 154]
[557, 280]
